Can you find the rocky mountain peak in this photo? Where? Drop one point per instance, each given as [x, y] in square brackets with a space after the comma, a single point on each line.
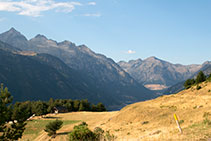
[155, 71]
[135, 61]
[207, 63]
[66, 43]
[152, 58]
[42, 37]
[13, 30]
[12, 33]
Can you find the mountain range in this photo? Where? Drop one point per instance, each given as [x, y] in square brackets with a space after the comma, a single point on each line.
[64, 70]
[158, 74]
[206, 69]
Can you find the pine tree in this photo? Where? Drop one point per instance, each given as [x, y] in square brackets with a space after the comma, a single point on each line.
[52, 127]
[188, 83]
[8, 131]
[200, 77]
[50, 105]
[100, 107]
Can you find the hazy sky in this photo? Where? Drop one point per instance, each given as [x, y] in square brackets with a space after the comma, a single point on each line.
[178, 31]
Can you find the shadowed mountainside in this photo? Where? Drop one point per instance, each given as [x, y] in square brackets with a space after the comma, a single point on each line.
[101, 74]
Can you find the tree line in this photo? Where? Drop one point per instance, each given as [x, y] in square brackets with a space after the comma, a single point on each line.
[42, 107]
[201, 77]
[13, 116]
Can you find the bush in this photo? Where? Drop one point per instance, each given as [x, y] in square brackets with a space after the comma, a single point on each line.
[198, 87]
[52, 127]
[109, 137]
[181, 121]
[82, 133]
[99, 133]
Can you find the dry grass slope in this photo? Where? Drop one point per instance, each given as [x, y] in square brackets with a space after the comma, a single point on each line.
[152, 120]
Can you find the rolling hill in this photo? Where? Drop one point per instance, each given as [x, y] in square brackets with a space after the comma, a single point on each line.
[149, 120]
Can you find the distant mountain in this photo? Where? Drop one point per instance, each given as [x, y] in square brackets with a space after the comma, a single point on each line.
[206, 68]
[102, 74]
[34, 77]
[154, 71]
[14, 38]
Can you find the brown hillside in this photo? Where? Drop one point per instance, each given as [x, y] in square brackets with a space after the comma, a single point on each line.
[154, 119]
[151, 120]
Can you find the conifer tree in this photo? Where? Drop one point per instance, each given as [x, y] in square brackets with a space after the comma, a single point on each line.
[200, 77]
[14, 130]
[52, 127]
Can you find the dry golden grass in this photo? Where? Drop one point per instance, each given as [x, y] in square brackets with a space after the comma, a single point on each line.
[151, 120]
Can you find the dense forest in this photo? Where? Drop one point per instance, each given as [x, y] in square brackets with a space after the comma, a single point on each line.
[44, 107]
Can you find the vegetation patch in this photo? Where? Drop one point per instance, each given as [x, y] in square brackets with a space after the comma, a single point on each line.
[145, 122]
[83, 133]
[34, 127]
[198, 87]
[181, 121]
[52, 127]
[199, 79]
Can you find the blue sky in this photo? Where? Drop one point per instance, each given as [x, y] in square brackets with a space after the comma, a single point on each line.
[178, 31]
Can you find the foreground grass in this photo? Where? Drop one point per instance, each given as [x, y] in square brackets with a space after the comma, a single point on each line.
[34, 127]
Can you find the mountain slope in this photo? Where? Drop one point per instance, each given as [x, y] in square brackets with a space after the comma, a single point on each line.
[155, 71]
[150, 120]
[32, 78]
[192, 107]
[102, 74]
[206, 68]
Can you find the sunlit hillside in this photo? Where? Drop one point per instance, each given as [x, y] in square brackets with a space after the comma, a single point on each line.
[149, 120]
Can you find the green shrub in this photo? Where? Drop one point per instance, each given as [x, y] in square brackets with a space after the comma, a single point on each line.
[145, 122]
[82, 133]
[206, 114]
[198, 87]
[181, 121]
[52, 127]
[207, 122]
[99, 133]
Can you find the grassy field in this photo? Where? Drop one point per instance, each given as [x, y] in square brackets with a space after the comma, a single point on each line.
[35, 127]
[149, 120]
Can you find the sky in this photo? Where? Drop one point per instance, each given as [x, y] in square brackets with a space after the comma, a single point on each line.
[178, 31]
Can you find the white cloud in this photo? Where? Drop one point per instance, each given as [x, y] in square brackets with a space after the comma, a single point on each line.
[92, 3]
[92, 15]
[130, 52]
[35, 7]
